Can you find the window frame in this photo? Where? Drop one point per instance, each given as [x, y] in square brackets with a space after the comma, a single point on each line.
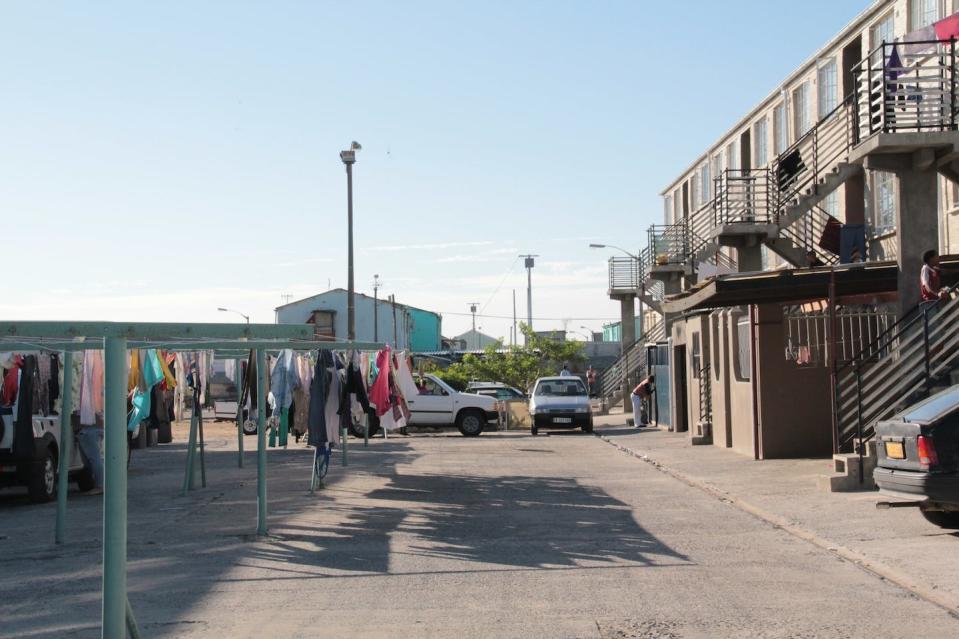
[823, 81]
[780, 128]
[761, 135]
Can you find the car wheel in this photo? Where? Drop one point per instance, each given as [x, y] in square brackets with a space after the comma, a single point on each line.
[85, 480]
[357, 429]
[588, 427]
[948, 519]
[43, 478]
[470, 423]
[249, 427]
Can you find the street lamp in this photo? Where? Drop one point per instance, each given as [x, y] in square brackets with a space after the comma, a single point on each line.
[349, 158]
[601, 246]
[589, 330]
[230, 310]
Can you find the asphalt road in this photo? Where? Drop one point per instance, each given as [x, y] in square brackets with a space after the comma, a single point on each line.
[505, 535]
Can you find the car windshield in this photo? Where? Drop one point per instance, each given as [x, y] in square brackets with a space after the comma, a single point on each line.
[559, 388]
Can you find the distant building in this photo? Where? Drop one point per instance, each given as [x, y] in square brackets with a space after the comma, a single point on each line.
[556, 336]
[414, 329]
[471, 341]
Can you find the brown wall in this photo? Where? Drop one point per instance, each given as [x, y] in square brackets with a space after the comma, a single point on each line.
[794, 402]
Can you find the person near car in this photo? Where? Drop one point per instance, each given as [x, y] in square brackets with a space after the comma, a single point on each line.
[565, 372]
[591, 380]
[639, 397]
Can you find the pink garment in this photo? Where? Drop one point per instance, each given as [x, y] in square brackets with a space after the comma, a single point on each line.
[380, 391]
[91, 388]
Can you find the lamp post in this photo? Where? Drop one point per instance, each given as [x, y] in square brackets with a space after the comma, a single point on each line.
[590, 331]
[475, 336]
[376, 308]
[230, 310]
[349, 158]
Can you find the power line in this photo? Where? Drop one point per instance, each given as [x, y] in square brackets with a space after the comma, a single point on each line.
[544, 319]
[500, 285]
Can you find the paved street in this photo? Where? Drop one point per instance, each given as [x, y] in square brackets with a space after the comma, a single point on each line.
[437, 536]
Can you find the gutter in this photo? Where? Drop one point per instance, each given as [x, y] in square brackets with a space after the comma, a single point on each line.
[753, 379]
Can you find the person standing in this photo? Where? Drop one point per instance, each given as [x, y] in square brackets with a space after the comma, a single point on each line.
[930, 281]
[591, 380]
[640, 396]
[565, 372]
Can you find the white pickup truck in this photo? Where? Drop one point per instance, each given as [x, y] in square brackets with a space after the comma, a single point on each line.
[434, 403]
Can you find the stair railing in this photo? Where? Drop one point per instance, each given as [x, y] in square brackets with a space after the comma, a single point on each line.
[742, 196]
[807, 231]
[798, 170]
[896, 369]
[705, 396]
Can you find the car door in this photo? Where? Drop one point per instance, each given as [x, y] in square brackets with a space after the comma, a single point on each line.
[431, 405]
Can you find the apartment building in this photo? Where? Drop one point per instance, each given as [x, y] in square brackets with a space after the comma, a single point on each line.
[795, 239]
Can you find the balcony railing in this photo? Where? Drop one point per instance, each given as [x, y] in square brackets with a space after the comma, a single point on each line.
[742, 196]
[624, 275]
[669, 244]
[907, 86]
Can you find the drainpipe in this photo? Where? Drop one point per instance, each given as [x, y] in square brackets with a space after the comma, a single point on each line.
[753, 381]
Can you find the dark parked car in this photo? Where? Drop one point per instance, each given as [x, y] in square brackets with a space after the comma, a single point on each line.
[918, 458]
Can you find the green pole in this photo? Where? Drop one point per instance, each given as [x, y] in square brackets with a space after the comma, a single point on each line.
[239, 413]
[190, 450]
[66, 444]
[260, 441]
[115, 489]
[202, 451]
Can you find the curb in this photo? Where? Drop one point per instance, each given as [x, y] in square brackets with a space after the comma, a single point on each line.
[930, 594]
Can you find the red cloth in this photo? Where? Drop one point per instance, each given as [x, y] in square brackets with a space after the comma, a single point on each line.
[8, 394]
[948, 28]
[380, 391]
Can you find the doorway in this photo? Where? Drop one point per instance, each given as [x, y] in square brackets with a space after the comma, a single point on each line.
[681, 420]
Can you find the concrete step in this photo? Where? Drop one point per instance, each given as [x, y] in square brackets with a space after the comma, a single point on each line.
[845, 477]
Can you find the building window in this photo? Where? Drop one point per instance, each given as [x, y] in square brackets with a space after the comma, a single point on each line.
[732, 156]
[780, 129]
[884, 187]
[743, 362]
[828, 88]
[668, 209]
[922, 13]
[830, 204]
[697, 361]
[882, 31]
[704, 187]
[718, 165]
[677, 205]
[801, 119]
[761, 133]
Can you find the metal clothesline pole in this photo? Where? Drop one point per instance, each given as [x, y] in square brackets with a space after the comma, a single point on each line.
[260, 442]
[66, 445]
[114, 608]
[239, 412]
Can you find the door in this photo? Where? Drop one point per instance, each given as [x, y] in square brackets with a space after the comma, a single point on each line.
[661, 396]
[431, 405]
[681, 423]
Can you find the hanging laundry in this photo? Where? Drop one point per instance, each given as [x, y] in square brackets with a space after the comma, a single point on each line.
[318, 435]
[91, 388]
[947, 28]
[333, 402]
[284, 379]
[11, 383]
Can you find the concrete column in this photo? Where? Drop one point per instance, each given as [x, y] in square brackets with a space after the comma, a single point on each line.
[627, 318]
[854, 199]
[749, 258]
[917, 224]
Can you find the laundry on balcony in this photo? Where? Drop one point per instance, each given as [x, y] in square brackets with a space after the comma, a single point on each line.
[789, 167]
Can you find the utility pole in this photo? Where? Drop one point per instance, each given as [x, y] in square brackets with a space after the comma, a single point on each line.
[376, 308]
[395, 327]
[529, 288]
[473, 311]
[515, 337]
[286, 297]
[349, 158]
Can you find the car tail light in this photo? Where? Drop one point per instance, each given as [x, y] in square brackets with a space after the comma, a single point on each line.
[927, 451]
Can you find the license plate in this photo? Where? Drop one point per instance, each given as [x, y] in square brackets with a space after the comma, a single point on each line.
[895, 450]
[562, 420]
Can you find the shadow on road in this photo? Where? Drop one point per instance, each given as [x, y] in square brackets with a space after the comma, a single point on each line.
[512, 521]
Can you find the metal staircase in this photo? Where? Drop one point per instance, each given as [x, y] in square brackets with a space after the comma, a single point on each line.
[631, 365]
[902, 365]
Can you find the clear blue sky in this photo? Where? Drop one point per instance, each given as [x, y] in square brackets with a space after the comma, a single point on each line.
[158, 160]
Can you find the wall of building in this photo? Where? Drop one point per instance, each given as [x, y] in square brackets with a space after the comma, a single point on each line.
[300, 311]
[427, 331]
[696, 329]
[731, 390]
[795, 414]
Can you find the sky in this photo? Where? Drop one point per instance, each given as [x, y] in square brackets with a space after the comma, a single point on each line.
[161, 160]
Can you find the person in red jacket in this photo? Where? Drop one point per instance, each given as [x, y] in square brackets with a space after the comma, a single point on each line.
[930, 284]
